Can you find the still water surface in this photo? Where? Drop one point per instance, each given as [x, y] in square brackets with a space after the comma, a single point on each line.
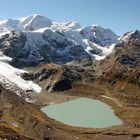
[83, 112]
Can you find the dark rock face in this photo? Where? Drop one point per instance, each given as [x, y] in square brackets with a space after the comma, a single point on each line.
[129, 53]
[127, 60]
[62, 85]
[55, 77]
[13, 46]
[40, 75]
[30, 49]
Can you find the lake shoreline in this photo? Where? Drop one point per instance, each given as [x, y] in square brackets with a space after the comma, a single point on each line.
[96, 92]
[83, 112]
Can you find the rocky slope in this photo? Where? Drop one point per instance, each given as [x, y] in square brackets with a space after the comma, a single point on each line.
[22, 121]
[52, 77]
[121, 70]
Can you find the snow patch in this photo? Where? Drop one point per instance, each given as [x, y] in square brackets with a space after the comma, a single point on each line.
[13, 75]
[104, 50]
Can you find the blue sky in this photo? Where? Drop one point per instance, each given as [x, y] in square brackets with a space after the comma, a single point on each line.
[119, 15]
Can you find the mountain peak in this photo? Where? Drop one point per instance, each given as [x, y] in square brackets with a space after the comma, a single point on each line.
[99, 35]
[42, 41]
[72, 24]
[35, 22]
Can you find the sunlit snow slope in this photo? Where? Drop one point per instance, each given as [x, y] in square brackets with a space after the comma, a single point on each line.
[13, 75]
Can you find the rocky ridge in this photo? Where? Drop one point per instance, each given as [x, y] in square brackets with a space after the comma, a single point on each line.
[124, 63]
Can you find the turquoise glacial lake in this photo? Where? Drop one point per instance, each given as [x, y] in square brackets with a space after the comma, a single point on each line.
[83, 112]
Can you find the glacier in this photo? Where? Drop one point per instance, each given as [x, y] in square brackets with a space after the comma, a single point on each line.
[13, 75]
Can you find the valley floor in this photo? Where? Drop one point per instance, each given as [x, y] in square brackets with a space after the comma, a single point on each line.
[37, 124]
[125, 109]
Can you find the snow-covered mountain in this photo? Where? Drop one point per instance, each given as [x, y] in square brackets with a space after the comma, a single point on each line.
[30, 23]
[99, 35]
[37, 40]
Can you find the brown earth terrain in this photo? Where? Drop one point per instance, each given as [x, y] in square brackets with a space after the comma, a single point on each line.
[115, 81]
[25, 121]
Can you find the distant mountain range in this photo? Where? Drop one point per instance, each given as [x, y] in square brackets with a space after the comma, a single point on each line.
[39, 40]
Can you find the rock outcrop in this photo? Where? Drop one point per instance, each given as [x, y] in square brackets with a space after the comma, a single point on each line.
[55, 77]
